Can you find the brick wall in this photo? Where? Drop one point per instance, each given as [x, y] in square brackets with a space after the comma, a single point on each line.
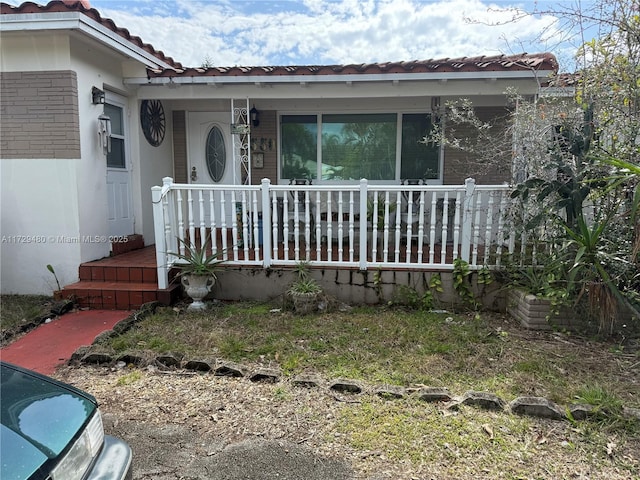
[39, 112]
[459, 165]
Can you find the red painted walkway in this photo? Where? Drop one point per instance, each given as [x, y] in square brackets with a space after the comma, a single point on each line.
[51, 344]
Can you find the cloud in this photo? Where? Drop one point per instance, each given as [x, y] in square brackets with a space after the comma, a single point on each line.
[325, 31]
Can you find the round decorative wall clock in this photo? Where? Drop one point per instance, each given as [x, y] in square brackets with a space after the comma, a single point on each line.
[152, 121]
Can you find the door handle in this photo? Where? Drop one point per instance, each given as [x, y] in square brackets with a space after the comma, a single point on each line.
[194, 174]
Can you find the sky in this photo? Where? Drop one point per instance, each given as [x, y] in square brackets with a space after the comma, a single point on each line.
[312, 32]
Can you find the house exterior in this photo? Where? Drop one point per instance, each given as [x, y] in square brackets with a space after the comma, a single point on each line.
[93, 118]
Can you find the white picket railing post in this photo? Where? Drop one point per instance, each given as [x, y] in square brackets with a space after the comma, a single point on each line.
[467, 217]
[159, 222]
[266, 222]
[363, 224]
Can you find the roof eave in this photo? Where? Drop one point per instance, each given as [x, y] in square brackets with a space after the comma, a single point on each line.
[179, 79]
[76, 21]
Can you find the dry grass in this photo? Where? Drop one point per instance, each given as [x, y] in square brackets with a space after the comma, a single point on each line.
[400, 347]
[19, 312]
[408, 438]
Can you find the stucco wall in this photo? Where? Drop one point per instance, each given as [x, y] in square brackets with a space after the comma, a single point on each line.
[350, 286]
[54, 197]
[41, 153]
[154, 164]
[39, 224]
[94, 68]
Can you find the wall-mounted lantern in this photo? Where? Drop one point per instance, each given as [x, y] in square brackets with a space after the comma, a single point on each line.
[97, 96]
[255, 116]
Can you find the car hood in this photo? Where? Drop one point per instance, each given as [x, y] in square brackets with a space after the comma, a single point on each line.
[40, 417]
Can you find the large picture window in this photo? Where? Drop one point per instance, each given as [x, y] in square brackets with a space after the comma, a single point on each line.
[382, 146]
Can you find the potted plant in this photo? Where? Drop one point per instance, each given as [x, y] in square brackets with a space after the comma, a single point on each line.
[304, 292]
[197, 271]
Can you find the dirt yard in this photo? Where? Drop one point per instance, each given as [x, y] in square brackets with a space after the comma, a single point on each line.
[199, 426]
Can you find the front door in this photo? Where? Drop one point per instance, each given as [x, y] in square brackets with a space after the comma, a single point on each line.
[120, 211]
[210, 161]
[210, 144]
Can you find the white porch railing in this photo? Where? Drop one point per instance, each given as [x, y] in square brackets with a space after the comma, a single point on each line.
[362, 226]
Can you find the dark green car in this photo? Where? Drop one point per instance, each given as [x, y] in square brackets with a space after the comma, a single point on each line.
[53, 431]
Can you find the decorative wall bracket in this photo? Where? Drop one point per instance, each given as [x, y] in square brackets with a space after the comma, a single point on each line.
[262, 144]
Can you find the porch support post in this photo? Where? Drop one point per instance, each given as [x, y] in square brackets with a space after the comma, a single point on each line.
[266, 222]
[157, 194]
[467, 216]
[363, 223]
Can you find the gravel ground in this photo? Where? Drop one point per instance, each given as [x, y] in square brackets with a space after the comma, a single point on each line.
[186, 426]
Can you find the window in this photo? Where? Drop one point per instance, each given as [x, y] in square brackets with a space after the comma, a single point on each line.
[355, 146]
[299, 146]
[419, 160]
[116, 157]
[215, 154]
[359, 146]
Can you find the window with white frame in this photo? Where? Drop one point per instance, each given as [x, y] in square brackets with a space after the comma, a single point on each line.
[378, 147]
[116, 156]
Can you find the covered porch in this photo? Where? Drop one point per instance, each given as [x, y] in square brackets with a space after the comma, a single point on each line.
[412, 226]
[339, 231]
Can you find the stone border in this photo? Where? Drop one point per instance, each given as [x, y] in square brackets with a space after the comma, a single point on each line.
[48, 311]
[100, 354]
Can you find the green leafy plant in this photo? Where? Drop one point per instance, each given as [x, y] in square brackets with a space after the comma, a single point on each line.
[408, 296]
[305, 286]
[197, 260]
[53, 272]
[462, 284]
[546, 278]
[377, 284]
[435, 283]
[484, 276]
[304, 283]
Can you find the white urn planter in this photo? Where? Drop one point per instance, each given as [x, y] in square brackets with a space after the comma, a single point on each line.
[304, 303]
[197, 264]
[197, 287]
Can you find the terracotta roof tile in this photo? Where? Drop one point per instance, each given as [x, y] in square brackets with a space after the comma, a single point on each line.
[499, 63]
[58, 6]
